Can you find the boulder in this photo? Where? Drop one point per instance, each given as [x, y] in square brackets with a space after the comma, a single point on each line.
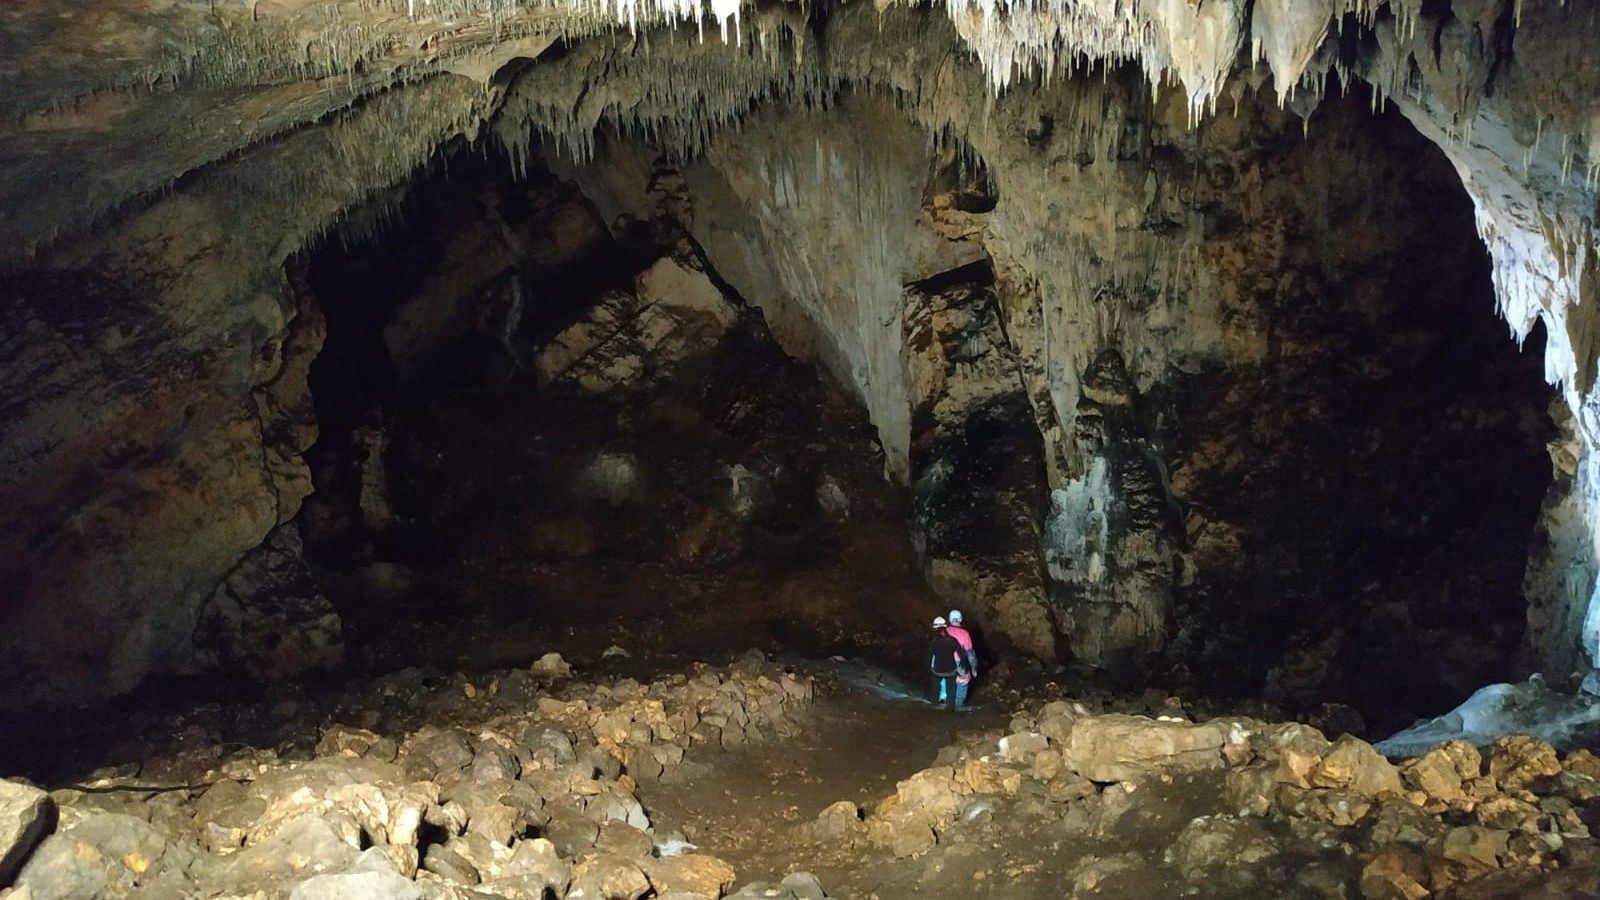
[1295, 767]
[1093, 872]
[691, 873]
[400, 858]
[1056, 719]
[1441, 772]
[1474, 848]
[546, 743]
[1336, 806]
[534, 869]
[839, 824]
[1130, 748]
[1400, 822]
[981, 777]
[344, 740]
[803, 885]
[301, 847]
[1517, 760]
[551, 667]
[906, 823]
[492, 763]
[27, 814]
[796, 886]
[624, 840]
[607, 876]
[109, 855]
[432, 753]
[1354, 764]
[269, 618]
[1508, 814]
[1395, 874]
[1022, 745]
[497, 822]
[1251, 789]
[357, 886]
[360, 798]
[571, 832]
[1214, 843]
[450, 865]
[1583, 763]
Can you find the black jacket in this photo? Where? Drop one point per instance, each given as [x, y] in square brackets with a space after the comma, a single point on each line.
[944, 655]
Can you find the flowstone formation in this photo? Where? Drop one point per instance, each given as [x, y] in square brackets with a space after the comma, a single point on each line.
[1151, 190]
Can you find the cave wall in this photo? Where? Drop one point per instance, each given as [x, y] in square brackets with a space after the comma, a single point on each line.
[157, 402]
[123, 516]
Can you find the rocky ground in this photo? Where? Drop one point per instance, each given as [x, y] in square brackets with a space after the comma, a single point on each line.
[760, 780]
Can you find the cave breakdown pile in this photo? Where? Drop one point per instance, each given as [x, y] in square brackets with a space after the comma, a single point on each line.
[531, 795]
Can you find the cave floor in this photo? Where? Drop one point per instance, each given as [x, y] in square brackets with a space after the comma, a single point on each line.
[743, 804]
[747, 806]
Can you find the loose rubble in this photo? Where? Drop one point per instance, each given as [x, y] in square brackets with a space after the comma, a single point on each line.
[527, 785]
[529, 791]
[1234, 806]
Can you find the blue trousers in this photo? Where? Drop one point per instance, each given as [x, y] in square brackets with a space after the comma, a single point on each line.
[951, 690]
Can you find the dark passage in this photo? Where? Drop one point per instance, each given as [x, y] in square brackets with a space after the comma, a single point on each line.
[537, 436]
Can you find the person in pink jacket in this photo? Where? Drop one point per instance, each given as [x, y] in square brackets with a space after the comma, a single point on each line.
[964, 638]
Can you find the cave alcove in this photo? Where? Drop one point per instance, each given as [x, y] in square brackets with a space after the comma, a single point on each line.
[537, 433]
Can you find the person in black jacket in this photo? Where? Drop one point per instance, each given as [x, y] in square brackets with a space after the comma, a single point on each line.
[946, 660]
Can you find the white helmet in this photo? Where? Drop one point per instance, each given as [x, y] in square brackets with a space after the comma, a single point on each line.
[938, 621]
[955, 617]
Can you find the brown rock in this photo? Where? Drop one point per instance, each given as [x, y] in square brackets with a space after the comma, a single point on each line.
[906, 823]
[1342, 807]
[979, 777]
[1216, 842]
[1056, 720]
[606, 876]
[691, 873]
[1251, 789]
[1508, 814]
[497, 822]
[1401, 822]
[1583, 762]
[343, 740]
[624, 840]
[1131, 748]
[1441, 772]
[1394, 874]
[450, 865]
[1516, 761]
[1022, 745]
[1354, 764]
[1476, 849]
[534, 868]
[839, 824]
[1295, 767]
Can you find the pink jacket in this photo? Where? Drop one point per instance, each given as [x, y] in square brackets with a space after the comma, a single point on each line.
[965, 640]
